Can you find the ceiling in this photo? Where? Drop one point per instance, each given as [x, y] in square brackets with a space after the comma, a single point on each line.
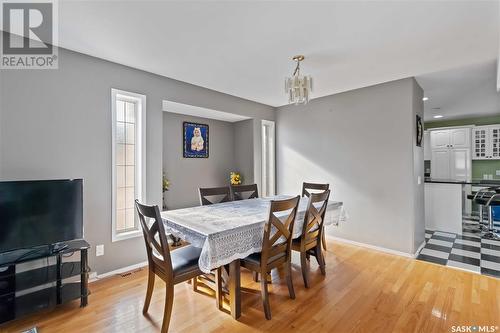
[244, 48]
[461, 92]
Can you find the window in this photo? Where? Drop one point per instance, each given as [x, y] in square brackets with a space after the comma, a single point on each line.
[268, 159]
[128, 161]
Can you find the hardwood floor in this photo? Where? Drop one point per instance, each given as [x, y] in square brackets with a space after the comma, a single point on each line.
[363, 291]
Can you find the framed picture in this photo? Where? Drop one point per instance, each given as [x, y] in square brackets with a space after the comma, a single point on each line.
[420, 131]
[195, 140]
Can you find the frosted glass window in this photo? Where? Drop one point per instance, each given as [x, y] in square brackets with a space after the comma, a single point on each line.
[120, 220]
[130, 155]
[125, 166]
[120, 154]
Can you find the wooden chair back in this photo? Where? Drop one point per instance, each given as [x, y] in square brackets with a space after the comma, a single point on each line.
[314, 217]
[155, 238]
[278, 232]
[313, 186]
[223, 192]
[239, 191]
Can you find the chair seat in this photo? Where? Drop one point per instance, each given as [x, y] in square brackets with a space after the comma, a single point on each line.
[484, 200]
[255, 258]
[185, 259]
[495, 202]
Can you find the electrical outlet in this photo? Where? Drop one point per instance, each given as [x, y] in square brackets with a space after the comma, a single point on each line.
[498, 172]
[99, 250]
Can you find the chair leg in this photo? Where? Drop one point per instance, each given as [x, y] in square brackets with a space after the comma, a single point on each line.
[323, 240]
[255, 276]
[169, 302]
[303, 265]
[195, 283]
[288, 272]
[149, 291]
[218, 288]
[321, 259]
[265, 296]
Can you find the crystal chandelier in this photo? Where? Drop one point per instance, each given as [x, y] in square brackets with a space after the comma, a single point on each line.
[298, 87]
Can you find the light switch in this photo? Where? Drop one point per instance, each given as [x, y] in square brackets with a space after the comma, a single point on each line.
[419, 180]
[99, 250]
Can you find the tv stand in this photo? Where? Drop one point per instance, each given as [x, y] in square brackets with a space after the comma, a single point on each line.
[55, 280]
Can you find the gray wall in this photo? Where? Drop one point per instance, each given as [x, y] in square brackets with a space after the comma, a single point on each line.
[57, 124]
[186, 175]
[244, 149]
[361, 142]
[418, 171]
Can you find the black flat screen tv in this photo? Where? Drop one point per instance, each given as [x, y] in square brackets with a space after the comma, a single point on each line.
[41, 212]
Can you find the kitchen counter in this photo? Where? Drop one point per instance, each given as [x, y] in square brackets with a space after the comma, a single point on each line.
[445, 204]
[473, 182]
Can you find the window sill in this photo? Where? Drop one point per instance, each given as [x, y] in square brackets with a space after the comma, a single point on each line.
[126, 235]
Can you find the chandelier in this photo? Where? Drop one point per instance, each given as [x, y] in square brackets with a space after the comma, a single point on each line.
[297, 87]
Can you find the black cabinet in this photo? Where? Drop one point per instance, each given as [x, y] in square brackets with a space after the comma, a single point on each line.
[61, 279]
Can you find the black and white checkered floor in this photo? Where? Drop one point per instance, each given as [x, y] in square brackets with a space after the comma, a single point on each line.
[466, 251]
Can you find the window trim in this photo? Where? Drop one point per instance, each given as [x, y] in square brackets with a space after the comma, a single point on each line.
[140, 158]
[272, 155]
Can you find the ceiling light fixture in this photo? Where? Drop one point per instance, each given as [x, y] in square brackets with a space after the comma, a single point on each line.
[297, 87]
[425, 99]
[438, 116]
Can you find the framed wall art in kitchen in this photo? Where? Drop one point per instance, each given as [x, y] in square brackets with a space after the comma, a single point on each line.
[420, 131]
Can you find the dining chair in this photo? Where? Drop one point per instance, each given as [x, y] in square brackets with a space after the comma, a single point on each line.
[215, 281]
[242, 192]
[215, 194]
[309, 242]
[173, 267]
[276, 247]
[316, 187]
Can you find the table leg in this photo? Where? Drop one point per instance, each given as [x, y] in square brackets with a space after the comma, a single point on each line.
[235, 288]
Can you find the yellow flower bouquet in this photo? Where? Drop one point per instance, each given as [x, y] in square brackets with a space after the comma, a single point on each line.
[235, 178]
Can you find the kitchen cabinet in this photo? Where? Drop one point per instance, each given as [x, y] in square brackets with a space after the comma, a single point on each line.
[451, 164]
[486, 142]
[450, 138]
[427, 146]
[440, 164]
[451, 153]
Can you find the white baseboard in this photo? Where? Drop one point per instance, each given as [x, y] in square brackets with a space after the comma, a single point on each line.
[95, 277]
[419, 248]
[373, 247]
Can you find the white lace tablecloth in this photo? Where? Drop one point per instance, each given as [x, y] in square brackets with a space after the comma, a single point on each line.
[233, 230]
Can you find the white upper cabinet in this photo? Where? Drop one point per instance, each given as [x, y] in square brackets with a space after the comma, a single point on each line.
[479, 143]
[450, 138]
[440, 139]
[460, 138]
[486, 142]
[495, 142]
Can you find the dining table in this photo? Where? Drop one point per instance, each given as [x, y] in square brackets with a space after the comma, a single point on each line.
[229, 231]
